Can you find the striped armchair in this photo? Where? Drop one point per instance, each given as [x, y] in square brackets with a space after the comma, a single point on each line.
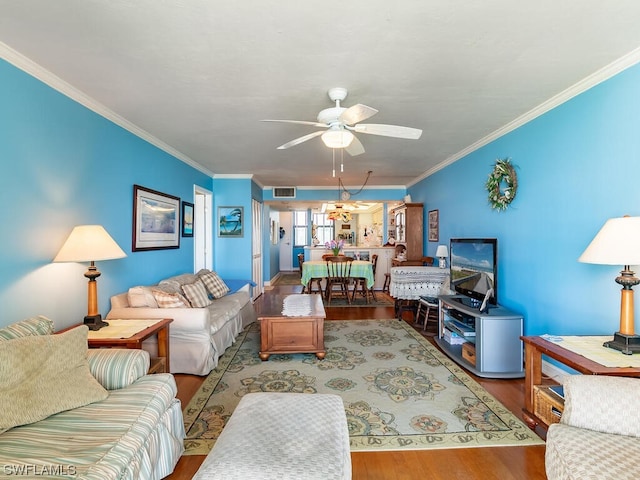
[598, 436]
[137, 432]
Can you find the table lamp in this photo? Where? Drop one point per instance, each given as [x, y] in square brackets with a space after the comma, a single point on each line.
[618, 243]
[90, 243]
[442, 252]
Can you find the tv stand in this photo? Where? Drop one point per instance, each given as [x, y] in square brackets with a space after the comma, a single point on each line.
[468, 301]
[487, 344]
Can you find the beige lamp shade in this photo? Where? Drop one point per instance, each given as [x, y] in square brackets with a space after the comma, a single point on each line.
[617, 243]
[89, 243]
[442, 251]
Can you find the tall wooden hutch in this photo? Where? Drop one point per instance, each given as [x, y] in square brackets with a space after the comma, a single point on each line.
[408, 222]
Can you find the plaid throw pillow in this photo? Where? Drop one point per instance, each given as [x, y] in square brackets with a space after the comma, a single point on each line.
[197, 294]
[216, 286]
[170, 300]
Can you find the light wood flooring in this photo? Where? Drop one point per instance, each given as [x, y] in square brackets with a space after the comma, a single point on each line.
[499, 463]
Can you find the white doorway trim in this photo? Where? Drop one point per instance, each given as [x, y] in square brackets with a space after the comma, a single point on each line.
[202, 229]
[256, 248]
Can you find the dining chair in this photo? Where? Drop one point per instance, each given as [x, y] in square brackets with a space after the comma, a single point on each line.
[362, 282]
[309, 285]
[338, 277]
[427, 261]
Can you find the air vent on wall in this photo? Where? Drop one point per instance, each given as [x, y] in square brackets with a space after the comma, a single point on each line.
[284, 192]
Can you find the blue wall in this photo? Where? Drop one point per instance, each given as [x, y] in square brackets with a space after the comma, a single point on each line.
[63, 165]
[232, 256]
[578, 165]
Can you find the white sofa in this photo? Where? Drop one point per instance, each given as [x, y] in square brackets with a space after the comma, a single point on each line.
[197, 336]
[598, 436]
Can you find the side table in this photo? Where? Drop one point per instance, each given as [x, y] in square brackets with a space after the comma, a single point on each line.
[534, 348]
[131, 333]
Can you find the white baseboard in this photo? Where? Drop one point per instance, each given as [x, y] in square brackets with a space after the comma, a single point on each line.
[270, 283]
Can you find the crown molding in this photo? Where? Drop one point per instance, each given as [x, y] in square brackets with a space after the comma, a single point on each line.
[605, 73]
[311, 187]
[45, 76]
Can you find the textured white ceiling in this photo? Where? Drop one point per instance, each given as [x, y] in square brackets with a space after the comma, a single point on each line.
[199, 75]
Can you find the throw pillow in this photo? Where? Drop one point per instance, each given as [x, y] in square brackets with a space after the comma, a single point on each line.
[216, 286]
[141, 297]
[197, 294]
[170, 300]
[45, 374]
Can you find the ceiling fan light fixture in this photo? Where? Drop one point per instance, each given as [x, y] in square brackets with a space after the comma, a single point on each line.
[337, 137]
[339, 214]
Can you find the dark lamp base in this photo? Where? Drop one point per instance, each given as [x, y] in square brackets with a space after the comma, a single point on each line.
[627, 344]
[94, 322]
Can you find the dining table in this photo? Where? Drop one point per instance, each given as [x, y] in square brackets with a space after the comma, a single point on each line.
[318, 269]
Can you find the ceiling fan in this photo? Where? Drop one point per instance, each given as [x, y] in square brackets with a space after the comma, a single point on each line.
[339, 123]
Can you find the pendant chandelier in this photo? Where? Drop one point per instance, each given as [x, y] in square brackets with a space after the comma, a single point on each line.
[339, 214]
[341, 211]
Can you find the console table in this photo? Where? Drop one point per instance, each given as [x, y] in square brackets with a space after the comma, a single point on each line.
[535, 347]
[409, 283]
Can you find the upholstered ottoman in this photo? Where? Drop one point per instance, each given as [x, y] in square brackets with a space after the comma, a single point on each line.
[282, 436]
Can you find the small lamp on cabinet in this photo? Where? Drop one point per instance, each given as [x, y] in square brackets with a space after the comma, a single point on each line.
[618, 243]
[442, 252]
[90, 243]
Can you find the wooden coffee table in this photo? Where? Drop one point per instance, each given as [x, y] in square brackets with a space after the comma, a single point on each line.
[291, 334]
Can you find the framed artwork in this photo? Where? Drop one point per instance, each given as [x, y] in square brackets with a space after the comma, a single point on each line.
[156, 217]
[433, 233]
[231, 222]
[187, 219]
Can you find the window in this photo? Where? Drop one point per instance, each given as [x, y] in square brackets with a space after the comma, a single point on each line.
[300, 228]
[324, 228]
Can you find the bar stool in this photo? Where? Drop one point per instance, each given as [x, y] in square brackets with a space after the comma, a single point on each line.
[425, 304]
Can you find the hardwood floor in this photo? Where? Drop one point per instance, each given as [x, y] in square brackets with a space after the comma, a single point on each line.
[500, 463]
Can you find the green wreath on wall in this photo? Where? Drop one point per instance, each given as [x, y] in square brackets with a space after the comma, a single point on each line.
[502, 184]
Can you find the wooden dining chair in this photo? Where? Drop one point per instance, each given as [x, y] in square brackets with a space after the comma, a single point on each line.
[362, 282]
[309, 286]
[338, 277]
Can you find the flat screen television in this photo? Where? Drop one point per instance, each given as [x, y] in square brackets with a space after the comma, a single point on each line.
[474, 267]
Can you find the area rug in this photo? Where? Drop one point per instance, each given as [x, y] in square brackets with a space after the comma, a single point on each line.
[399, 391]
[288, 278]
[382, 300]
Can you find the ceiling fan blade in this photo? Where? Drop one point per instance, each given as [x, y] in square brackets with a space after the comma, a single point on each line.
[389, 130]
[355, 147]
[300, 122]
[299, 140]
[357, 113]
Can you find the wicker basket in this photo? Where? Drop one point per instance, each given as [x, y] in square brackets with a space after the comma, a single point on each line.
[469, 353]
[547, 405]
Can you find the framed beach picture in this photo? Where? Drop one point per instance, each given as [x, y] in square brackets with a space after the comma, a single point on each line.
[231, 222]
[433, 233]
[187, 219]
[156, 218]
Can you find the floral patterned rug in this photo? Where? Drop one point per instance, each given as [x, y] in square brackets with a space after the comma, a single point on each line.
[399, 391]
